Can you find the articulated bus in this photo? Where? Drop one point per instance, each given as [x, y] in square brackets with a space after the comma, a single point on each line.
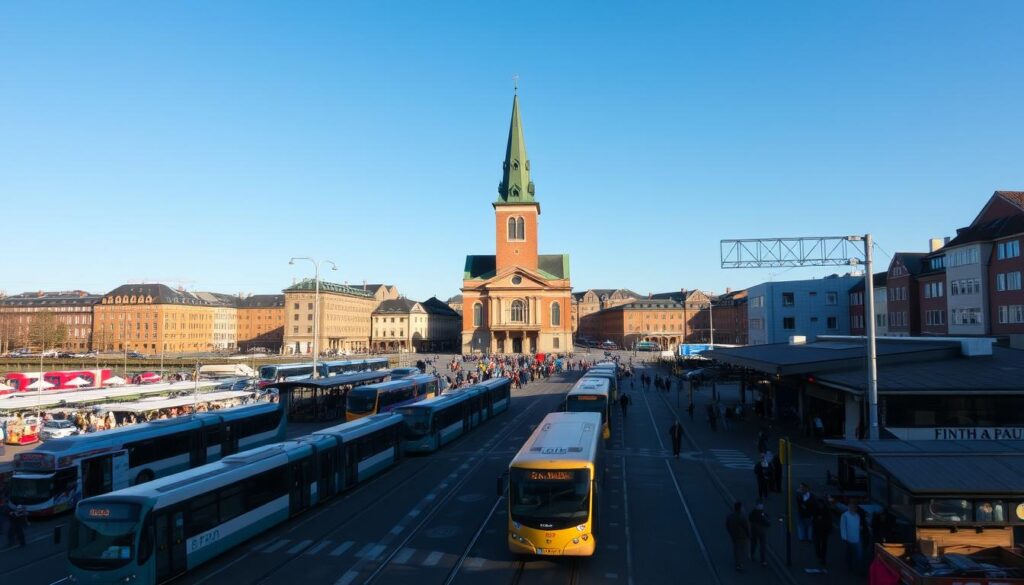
[324, 398]
[349, 366]
[432, 424]
[386, 396]
[592, 395]
[607, 374]
[553, 487]
[52, 478]
[300, 371]
[154, 532]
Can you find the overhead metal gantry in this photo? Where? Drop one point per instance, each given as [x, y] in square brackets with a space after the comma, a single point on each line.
[817, 251]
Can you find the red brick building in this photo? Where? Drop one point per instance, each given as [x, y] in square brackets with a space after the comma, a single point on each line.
[902, 290]
[932, 306]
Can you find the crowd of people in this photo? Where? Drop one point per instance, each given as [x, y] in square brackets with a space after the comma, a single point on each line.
[522, 369]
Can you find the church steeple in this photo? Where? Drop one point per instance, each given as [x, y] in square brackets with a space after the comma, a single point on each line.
[516, 188]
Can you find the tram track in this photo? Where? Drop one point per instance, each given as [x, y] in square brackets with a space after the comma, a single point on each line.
[439, 503]
[573, 566]
[345, 522]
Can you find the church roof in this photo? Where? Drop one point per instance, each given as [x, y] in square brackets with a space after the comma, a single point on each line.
[515, 188]
[550, 266]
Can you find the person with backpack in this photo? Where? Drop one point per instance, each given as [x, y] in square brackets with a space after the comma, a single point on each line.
[738, 527]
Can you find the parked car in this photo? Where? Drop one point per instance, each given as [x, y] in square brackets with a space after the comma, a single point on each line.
[88, 354]
[609, 345]
[234, 384]
[57, 429]
[136, 355]
[397, 373]
[147, 378]
[50, 353]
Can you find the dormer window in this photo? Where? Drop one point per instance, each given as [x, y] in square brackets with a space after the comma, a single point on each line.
[515, 165]
[515, 192]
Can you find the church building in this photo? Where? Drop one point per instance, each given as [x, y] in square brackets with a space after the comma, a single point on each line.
[516, 301]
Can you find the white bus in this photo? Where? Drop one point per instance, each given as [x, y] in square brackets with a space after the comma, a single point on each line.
[55, 476]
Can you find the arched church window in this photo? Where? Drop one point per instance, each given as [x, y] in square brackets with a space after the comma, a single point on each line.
[478, 314]
[511, 228]
[520, 229]
[556, 314]
[518, 312]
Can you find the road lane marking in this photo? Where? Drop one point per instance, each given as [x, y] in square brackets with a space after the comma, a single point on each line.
[299, 546]
[347, 578]
[693, 524]
[432, 559]
[397, 530]
[629, 547]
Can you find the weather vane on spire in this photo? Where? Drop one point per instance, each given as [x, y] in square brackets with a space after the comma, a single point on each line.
[515, 83]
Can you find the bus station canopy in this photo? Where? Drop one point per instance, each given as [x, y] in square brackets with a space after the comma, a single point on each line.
[147, 405]
[332, 381]
[947, 468]
[26, 401]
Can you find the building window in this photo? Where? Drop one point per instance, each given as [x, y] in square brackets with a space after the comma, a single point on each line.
[478, 314]
[962, 257]
[935, 317]
[832, 323]
[1011, 313]
[554, 343]
[1009, 249]
[788, 299]
[880, 320]
[971, 316]
[1008, 281]
[556, 314]
[518, 313]
[296, 306]
[789, 323]
[831, 298]
[295, 329]
[511, 228]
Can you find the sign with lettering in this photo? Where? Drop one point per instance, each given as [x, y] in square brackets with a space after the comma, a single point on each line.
[550, 475]
[959, 433]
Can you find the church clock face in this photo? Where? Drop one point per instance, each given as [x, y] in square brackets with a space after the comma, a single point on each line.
[517, 280]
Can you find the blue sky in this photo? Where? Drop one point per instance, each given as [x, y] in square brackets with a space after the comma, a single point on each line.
[208, 142]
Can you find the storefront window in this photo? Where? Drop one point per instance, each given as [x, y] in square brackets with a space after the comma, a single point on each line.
[945, 511]
[989, 511]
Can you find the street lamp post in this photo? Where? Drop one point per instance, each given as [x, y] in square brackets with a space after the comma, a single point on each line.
[316, 303]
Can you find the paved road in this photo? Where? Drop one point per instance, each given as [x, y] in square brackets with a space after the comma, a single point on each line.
[437, 519]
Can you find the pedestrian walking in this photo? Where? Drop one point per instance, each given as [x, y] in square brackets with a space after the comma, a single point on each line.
[762, 441]
[805, 512]
[624, 401]
[712, 417]
[16, 525]
[776, 462]
[850, 532]
[821, 528]
[763, 474]
[676, 434]
[690, 409]
[759, 525]
[738, 527]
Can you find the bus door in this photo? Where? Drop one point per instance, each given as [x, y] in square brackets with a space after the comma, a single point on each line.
[351, 450]
[197, 449]
[301, 477]
[98, 475]
[228, 440]
[325, 478]
[170, 544]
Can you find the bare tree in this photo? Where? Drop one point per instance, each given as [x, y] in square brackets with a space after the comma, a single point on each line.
[47, 331]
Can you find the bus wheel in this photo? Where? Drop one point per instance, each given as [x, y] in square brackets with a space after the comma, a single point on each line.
[143, 476]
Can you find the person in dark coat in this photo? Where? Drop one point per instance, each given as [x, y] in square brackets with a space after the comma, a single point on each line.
[759, 525]
[690, 409]
[763, 473]
[776, 463]
[675, 432]
[821, 527]
[624, 401]
[738, 527]
[762, 441]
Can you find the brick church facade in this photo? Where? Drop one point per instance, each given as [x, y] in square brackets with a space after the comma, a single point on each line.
[517, 300]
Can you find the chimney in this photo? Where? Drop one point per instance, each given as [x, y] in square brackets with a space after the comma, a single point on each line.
[364, 284]
[945, 240]
[728, 290]
[935, 244]
[650, 295]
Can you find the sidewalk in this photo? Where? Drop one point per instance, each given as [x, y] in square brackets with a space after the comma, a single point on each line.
[729, 454]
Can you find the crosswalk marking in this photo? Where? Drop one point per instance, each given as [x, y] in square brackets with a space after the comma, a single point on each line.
[404, 555]
[299, 546]
[277, 545]
[371, 551]
[732, 458]
[318, 547]
[347, 578]
[474, 562]
[432, 559]
[342, 548]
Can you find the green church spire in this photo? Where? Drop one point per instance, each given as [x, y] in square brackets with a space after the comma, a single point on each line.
[516, 186]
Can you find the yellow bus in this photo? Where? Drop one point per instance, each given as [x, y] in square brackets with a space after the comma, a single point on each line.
[553, 487]
[592, 394]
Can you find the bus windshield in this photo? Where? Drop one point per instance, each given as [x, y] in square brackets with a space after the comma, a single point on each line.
[268, 373]
[550, 499]
[31, 489]
[362, 401]
[417, 422]
[585, 403]
[103, 535]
